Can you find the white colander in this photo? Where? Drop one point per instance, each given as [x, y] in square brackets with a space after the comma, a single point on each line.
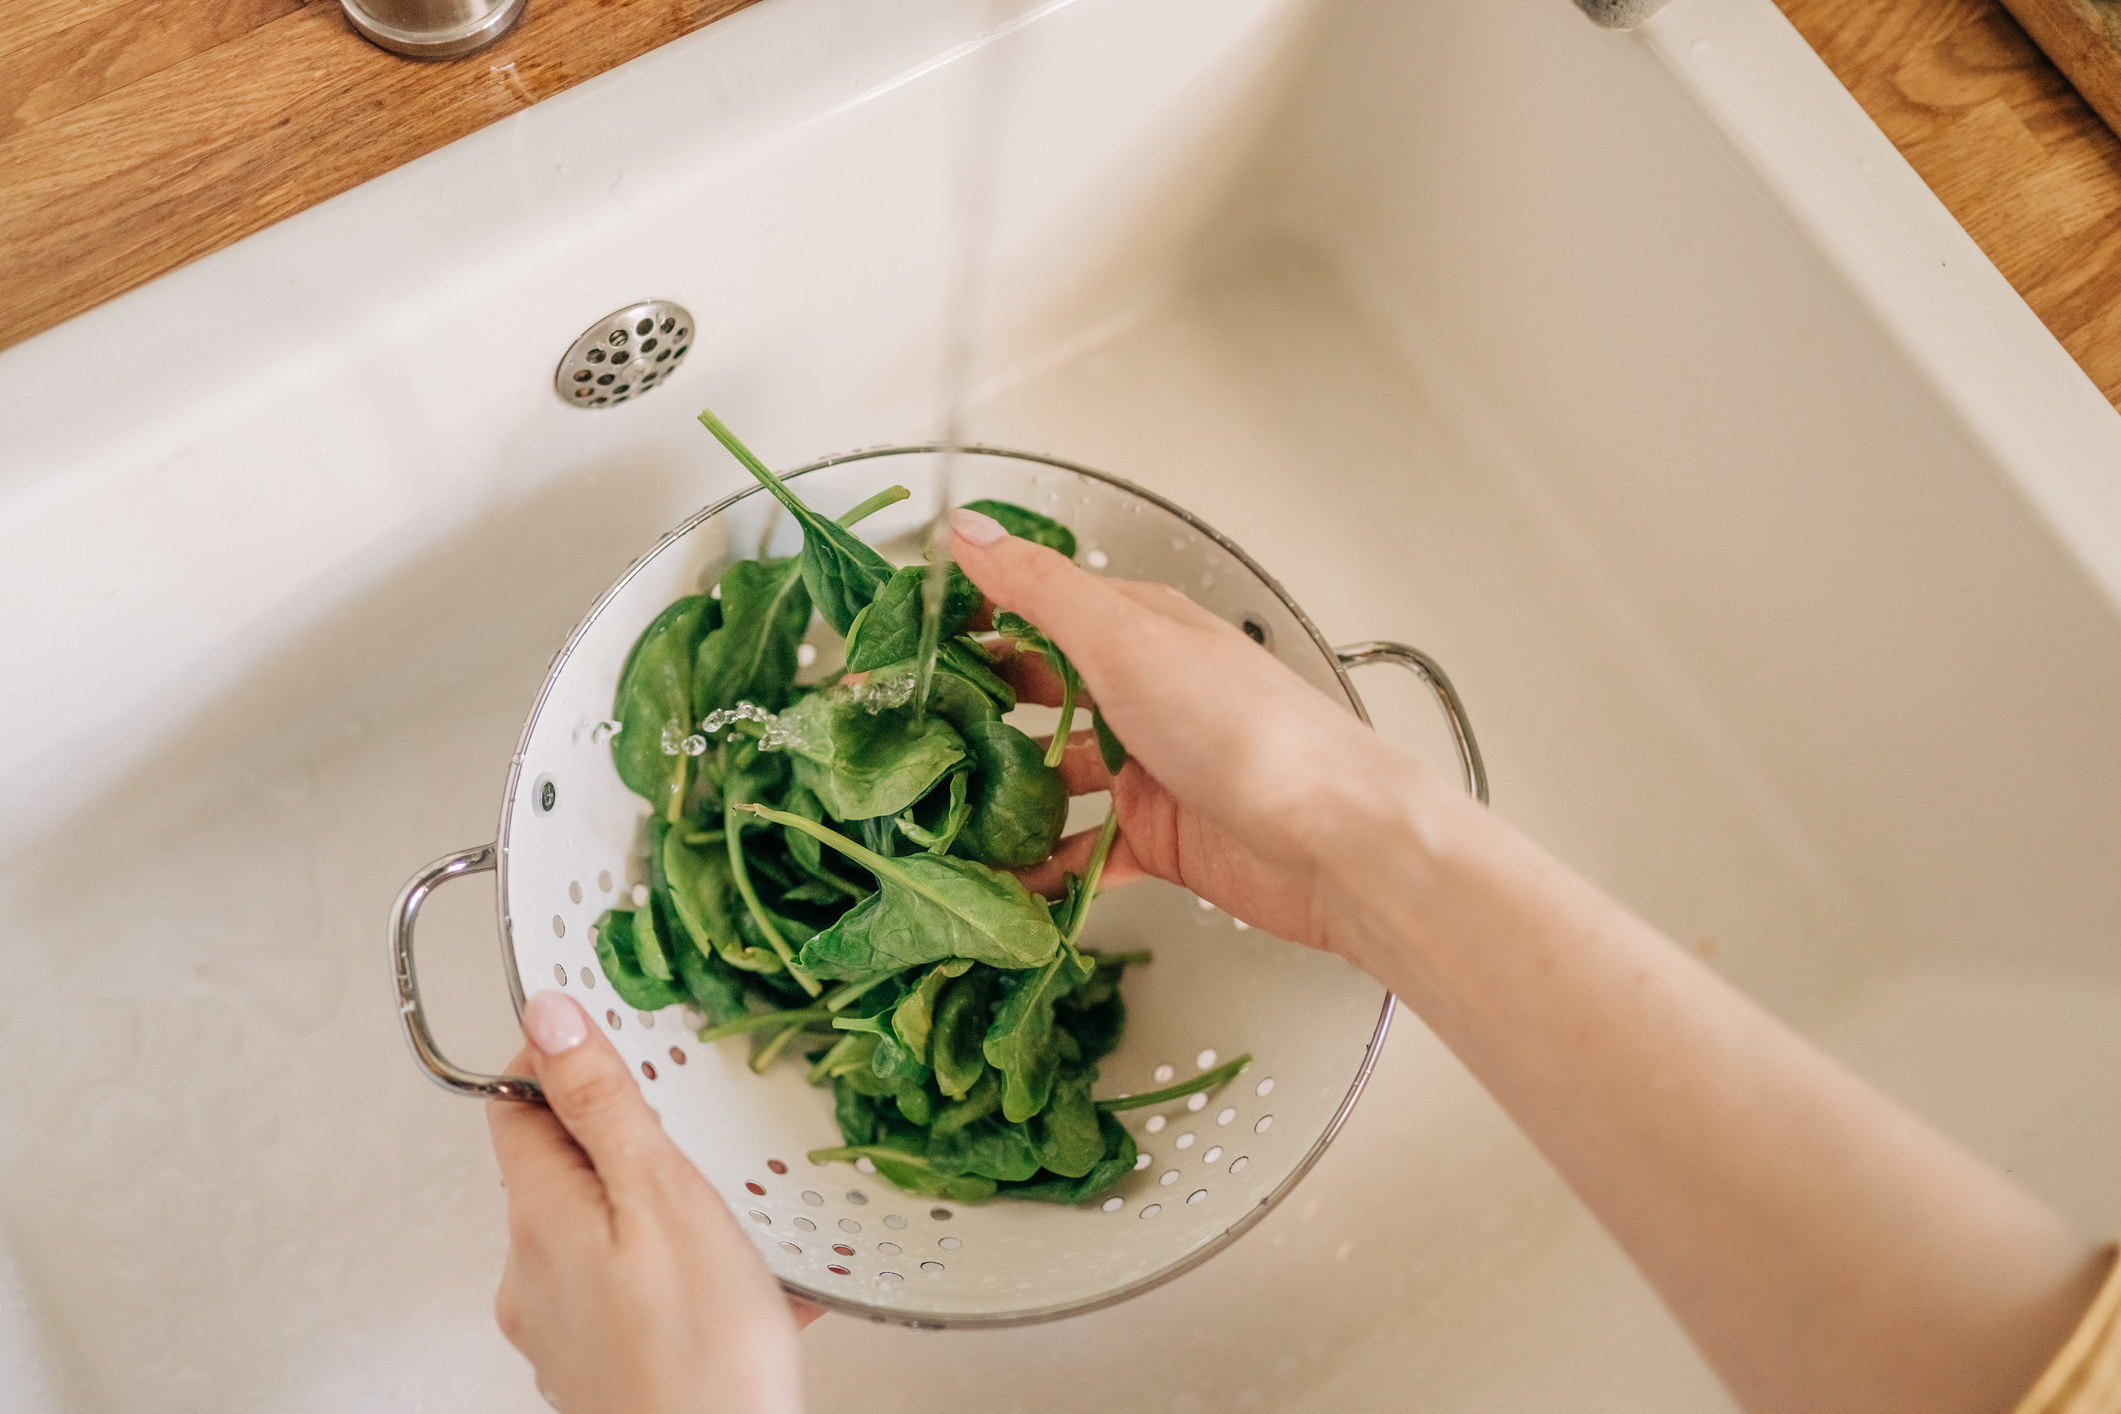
[572, 844]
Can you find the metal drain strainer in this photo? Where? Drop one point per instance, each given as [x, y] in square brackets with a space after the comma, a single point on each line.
[624, 355]
[571, 845]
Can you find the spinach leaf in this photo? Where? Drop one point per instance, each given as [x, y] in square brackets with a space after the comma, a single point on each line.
[975, 665]
[914, 1017]
[1109, 746]
[926, 908]
[855, 1112]
[862, 761]
[987, 1148]
[1019, 803]
[1028, 525]
[764, 1021]
[771, 928]
[699, 886]
[1028, 639]
[902, 1159]
[613, 939]
[983, 1099]
[712, 984]
[889, 630]
[953, 697]
[1206, 1080]
[1021, 1042]
[648, 948]
[840, 569]
[961, 1019]
[1117, 1163]
[1095, 1013]
[653, 704]
[752, 656]
[939, 840]
[1067, 1133]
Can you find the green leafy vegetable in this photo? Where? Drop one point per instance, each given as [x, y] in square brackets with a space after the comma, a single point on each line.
[926, 908]
[1019, 803]
[1029, 639]
[653, 704]
[889, 630]
[843, 574]
[1022, 1042]
[751, 657]
[863, 761]
[613, 938]
[914, 1017]
[961, 1018]
[1206, 1080]
[1028, 525]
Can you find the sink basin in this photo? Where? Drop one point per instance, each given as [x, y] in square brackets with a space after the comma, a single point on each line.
[1774, 545]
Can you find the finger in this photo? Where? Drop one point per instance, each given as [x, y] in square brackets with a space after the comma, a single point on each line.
[591, 1091]
[535, 1152]
[1072, 856]
[1030, 674]
[1072, 606]
[803, 1312]
[1082, 765]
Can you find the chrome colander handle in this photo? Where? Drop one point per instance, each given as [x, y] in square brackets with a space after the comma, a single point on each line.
[403, 915]
[1357, 655]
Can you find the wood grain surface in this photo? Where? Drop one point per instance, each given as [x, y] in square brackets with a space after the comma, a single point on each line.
[2006, 143]
[2083, 37]
[137, 135]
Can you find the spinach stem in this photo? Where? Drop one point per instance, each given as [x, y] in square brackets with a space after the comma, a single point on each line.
[845, 996]
[1059, 745]
[1088, 893]
[763, 1021]
[771, 1051]
[1206, 1080]
[889, 496]
[735, 831]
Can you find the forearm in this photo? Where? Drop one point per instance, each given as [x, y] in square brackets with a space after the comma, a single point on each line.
[1826, 1250]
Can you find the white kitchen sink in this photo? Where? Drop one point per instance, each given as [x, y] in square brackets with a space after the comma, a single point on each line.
[1775, 547]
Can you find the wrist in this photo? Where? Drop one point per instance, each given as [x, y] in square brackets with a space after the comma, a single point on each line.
[1399, 825]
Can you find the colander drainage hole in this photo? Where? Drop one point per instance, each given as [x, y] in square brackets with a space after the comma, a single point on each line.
[1163, 1073]
[1142, 1161]
[1113, 1205]
[1237, 1165]
[1204, 1060]
[857, 1197]
[1212, 1155]
[1155, 1124]
[755, 1187]
[1264, 1088]
[1225, 1115]
[806, 1225]
[1196, 1195]
[951, 1244]
[574, 890]
[934, 1269]
[648, 1069]
[559, 926]
[894, 1221]
[776, 1165]
[941, 1215]
[849, 1225]
[843, 1249]
[837, 1270]
[760, 1218]
[1169, 1177]
[863, 1165]
[677, 1057]
[814, 1198]
[611, 1019]
[1196, 1103]
[889, 1249]
[791, 1249]
[604, 881]
[647, 1019]
[1185, 1141]
[559, 974]
[889, 1276]
[1266, 1122]
[1152, 1210]
[589, 977]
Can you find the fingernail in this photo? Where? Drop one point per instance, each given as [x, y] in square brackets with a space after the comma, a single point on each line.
[554, 1024]
[977, 528]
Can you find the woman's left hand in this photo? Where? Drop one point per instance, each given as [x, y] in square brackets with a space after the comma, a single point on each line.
[629, 1285]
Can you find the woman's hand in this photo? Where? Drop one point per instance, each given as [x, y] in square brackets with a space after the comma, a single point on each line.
[629, 1285]
[1255, 799]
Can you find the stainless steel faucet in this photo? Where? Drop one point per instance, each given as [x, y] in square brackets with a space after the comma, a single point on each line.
[433, 29]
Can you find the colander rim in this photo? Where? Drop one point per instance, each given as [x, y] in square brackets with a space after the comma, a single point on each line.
[829, 1300]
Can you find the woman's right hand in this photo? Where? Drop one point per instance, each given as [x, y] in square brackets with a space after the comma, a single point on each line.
[1252, 798]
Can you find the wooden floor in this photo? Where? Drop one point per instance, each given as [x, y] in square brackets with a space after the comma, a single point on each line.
[137, 135]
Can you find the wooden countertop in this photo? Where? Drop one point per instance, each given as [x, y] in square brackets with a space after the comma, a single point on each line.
[136, 136]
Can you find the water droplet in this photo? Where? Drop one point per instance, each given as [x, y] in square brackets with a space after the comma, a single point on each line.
[605, 731]
[693, 745]
[1098, 559]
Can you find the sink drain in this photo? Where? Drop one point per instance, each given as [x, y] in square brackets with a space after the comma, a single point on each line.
[624, 355]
